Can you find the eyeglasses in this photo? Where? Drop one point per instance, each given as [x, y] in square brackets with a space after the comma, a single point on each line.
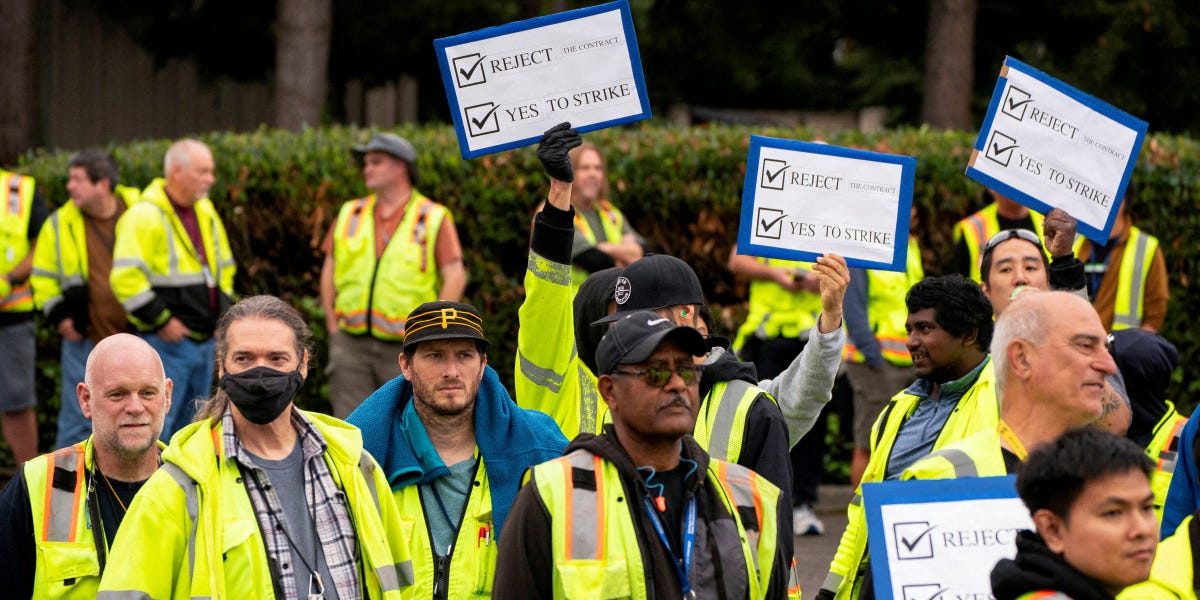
[1009, 234]
[660, 376]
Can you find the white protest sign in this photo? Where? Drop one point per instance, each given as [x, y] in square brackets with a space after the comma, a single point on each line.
[801, 200]
[941, 538]
[506, 85]
[1048, 145]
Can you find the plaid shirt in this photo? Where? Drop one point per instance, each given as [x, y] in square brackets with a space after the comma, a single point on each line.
[334, 526]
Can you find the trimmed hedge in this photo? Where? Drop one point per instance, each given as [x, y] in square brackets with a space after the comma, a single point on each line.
[279, 191]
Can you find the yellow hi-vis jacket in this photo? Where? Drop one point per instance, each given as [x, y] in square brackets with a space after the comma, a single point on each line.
[60, 261]
[978, 228]
[377, 295]
[157, 273]
[191, 532]
[473, 557]
[613, 223]
[887, 311]
[776, 312]
[597, 547]
[1163, 449]
[1173, 576]
[976, 411]
[15, 211]
[1131, 286]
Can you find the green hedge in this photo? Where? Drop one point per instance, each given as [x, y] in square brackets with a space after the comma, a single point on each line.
[279, 191]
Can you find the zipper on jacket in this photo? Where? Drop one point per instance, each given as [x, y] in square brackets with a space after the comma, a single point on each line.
[441, 564]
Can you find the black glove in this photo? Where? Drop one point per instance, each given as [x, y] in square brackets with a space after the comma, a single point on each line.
[553, 148]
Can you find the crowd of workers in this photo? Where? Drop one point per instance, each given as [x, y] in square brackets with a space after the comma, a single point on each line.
[644, 455]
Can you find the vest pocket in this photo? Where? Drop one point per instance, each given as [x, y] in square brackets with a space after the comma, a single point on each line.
[485, 557]
[60, 562]
[599, 579]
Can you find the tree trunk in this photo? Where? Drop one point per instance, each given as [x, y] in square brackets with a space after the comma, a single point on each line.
[302, 46]
[18, 95]
[949, 64]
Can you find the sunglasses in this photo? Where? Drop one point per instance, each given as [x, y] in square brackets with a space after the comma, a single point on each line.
[658, 377]
[1009, 234]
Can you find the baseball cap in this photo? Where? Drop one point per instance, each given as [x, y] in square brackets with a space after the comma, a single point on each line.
[443, 320]
[635, 336]
[390, 143]
[652, 282]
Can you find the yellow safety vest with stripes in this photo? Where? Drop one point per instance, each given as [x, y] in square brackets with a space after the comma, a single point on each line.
[775, 312]
[472, 566]
[154, 258]
[60, 261]
[15, 211]
[978, 228]
[1140, 249]
[378, 294]
[887, 311]
[193, 522]
[1163, 449]
[596, 547]
[613, 223]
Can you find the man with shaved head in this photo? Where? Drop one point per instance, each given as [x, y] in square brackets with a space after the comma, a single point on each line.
[59, 516]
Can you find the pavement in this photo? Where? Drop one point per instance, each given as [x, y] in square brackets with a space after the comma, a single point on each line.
[814, 552]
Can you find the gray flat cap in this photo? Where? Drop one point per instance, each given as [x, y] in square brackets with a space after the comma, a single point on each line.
[389, 143]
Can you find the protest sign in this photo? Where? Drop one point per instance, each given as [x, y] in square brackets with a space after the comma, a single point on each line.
[508, 84]
[1048, 145]
[941, 538]
[801, 200]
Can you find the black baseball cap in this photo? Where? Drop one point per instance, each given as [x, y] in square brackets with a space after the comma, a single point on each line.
[443, 320]
[652, 282]
[636, 335]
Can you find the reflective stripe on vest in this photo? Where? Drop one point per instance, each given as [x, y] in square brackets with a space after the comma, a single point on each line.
[1131, 283]
[14, 237]
[721, 430]
[584, 506]
[64, 494]
[739, 483]
[963, 465]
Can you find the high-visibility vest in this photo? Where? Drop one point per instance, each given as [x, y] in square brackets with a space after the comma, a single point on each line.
[472, 567]
[596, 548]
[613, 223]
[377, 295]
[68, 565]
[1140, 249]
[60, 261]
[15, 211]
[980, 227]
[154, 258]
[887, 311]
[1163, 449]
[721, 424]
[775, 312]
[1173, 576]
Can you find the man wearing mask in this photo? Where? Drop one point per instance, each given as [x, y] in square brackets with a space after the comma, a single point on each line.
[213, 522]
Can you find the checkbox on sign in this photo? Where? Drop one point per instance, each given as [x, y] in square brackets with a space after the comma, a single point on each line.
[914, 540]
[772, 174]
[770, 223]
[482, 119]
[922, 591]
[1000, 148]
[469, 71]
[1016, 101]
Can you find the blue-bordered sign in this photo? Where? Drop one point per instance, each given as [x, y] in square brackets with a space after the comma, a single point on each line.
[508, 84]
[1048, 145]
[802, 199]
[941, 538]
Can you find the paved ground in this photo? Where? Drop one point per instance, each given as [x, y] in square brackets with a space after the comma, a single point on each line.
[813, 552]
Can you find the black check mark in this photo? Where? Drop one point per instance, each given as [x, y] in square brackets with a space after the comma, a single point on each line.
[917, 540]
[771, 176]
[1012, 106]
[479, 122]
[997, 150]
[474, 67]
[765, 224]
[938, 593]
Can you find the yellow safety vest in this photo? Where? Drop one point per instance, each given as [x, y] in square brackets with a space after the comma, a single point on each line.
[721, 424]
[379, 294]
[473, 560]
[978, 228]
[67, 563]
[887, 311]
[775, 312]
[595, 543]
[976, 411]
[1163, 449]
[60, 261]
[1140, 249]
[15, 213]
[1172, 576]
[613, 223]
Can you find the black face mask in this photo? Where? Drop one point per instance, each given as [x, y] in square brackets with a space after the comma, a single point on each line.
[261, 393]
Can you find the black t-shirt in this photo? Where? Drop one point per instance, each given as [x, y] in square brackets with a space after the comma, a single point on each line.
[670, 486]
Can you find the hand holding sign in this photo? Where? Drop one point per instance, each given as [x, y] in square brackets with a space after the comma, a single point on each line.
[554, 151]
[1059, 232]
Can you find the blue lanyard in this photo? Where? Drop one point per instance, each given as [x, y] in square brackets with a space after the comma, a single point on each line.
[689, 539]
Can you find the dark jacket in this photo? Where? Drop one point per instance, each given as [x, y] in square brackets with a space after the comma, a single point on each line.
[525, 563]
[1036, 568]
